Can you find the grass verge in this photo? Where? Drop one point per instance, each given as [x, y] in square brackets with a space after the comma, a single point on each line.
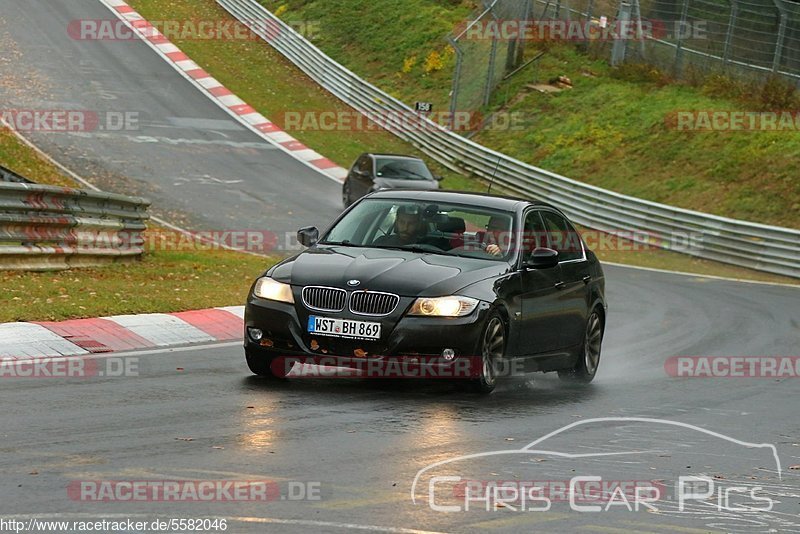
[20, 158]
[163, 281]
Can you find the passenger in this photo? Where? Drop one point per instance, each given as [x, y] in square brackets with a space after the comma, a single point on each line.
[497, 236]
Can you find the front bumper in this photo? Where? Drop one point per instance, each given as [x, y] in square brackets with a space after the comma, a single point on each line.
[409, 340]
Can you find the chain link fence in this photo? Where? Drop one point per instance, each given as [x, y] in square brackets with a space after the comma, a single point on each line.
[739, 38]
[483, 58]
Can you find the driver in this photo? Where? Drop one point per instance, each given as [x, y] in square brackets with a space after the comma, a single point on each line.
[409, 229]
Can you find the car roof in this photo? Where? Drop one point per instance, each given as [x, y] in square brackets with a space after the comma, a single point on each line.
[501, 202]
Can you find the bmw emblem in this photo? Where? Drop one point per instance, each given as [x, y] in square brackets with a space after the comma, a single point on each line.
[353, 283]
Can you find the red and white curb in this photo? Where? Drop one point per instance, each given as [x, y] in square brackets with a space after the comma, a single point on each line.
[232, 104]
[80, 337]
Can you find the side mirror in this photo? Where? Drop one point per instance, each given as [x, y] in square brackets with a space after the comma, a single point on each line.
[542, 258]
[308, 236]
[438, 177]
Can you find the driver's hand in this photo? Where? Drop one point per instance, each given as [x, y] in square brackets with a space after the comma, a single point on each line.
[494, 250]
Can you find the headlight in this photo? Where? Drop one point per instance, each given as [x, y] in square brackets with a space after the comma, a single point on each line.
[267, 288]
[443, 306]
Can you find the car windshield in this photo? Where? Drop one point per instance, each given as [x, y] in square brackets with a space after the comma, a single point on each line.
[402, 168]
[437, 228]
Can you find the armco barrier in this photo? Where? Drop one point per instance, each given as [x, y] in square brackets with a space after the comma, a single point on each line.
[757, 246]
[46, 228]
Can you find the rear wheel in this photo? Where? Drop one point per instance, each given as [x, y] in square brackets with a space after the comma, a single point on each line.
[586, 367]
[492, 347]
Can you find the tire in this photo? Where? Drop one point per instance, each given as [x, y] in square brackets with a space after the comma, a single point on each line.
[346, 194]
[492, 349]
[260, 364]
[585, 368]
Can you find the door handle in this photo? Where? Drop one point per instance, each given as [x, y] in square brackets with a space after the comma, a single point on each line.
[560, 285]
[586, 279]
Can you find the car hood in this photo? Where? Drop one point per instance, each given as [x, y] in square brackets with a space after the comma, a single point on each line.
[400, 183]
[395, 271]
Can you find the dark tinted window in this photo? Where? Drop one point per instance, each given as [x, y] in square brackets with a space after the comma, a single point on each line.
[562, 237]
[534, 236]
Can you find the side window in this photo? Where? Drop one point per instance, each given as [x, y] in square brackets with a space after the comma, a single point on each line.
[534, 234]
[562, 237]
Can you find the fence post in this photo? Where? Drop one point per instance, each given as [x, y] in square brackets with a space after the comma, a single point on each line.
[587, 23]
[726, 53]
[516, 47]
[679, 42]
[618, 50]
[776, 63]
[456, 80]
[490, 70]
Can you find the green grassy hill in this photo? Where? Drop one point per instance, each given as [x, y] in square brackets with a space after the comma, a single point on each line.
[610, 130]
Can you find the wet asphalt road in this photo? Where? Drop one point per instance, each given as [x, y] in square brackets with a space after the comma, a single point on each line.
[360, 443]
[196, 414]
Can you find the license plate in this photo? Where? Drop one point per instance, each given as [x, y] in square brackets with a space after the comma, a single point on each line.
[325, 326]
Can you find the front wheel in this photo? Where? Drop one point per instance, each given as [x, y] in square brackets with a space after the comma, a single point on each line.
[261, 365]
[586, 367]
[492, 347]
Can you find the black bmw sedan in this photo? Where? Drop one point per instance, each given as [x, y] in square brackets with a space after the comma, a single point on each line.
[466, 285]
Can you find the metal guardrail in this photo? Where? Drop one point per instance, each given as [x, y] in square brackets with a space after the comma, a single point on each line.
[756, 246]
[45, 228]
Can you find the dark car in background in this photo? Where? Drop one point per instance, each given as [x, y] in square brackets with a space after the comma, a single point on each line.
[372, 172]
[435, 276]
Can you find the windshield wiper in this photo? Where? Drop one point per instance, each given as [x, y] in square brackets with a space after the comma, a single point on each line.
[345, 243]
[412, 173]
[413, 248]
